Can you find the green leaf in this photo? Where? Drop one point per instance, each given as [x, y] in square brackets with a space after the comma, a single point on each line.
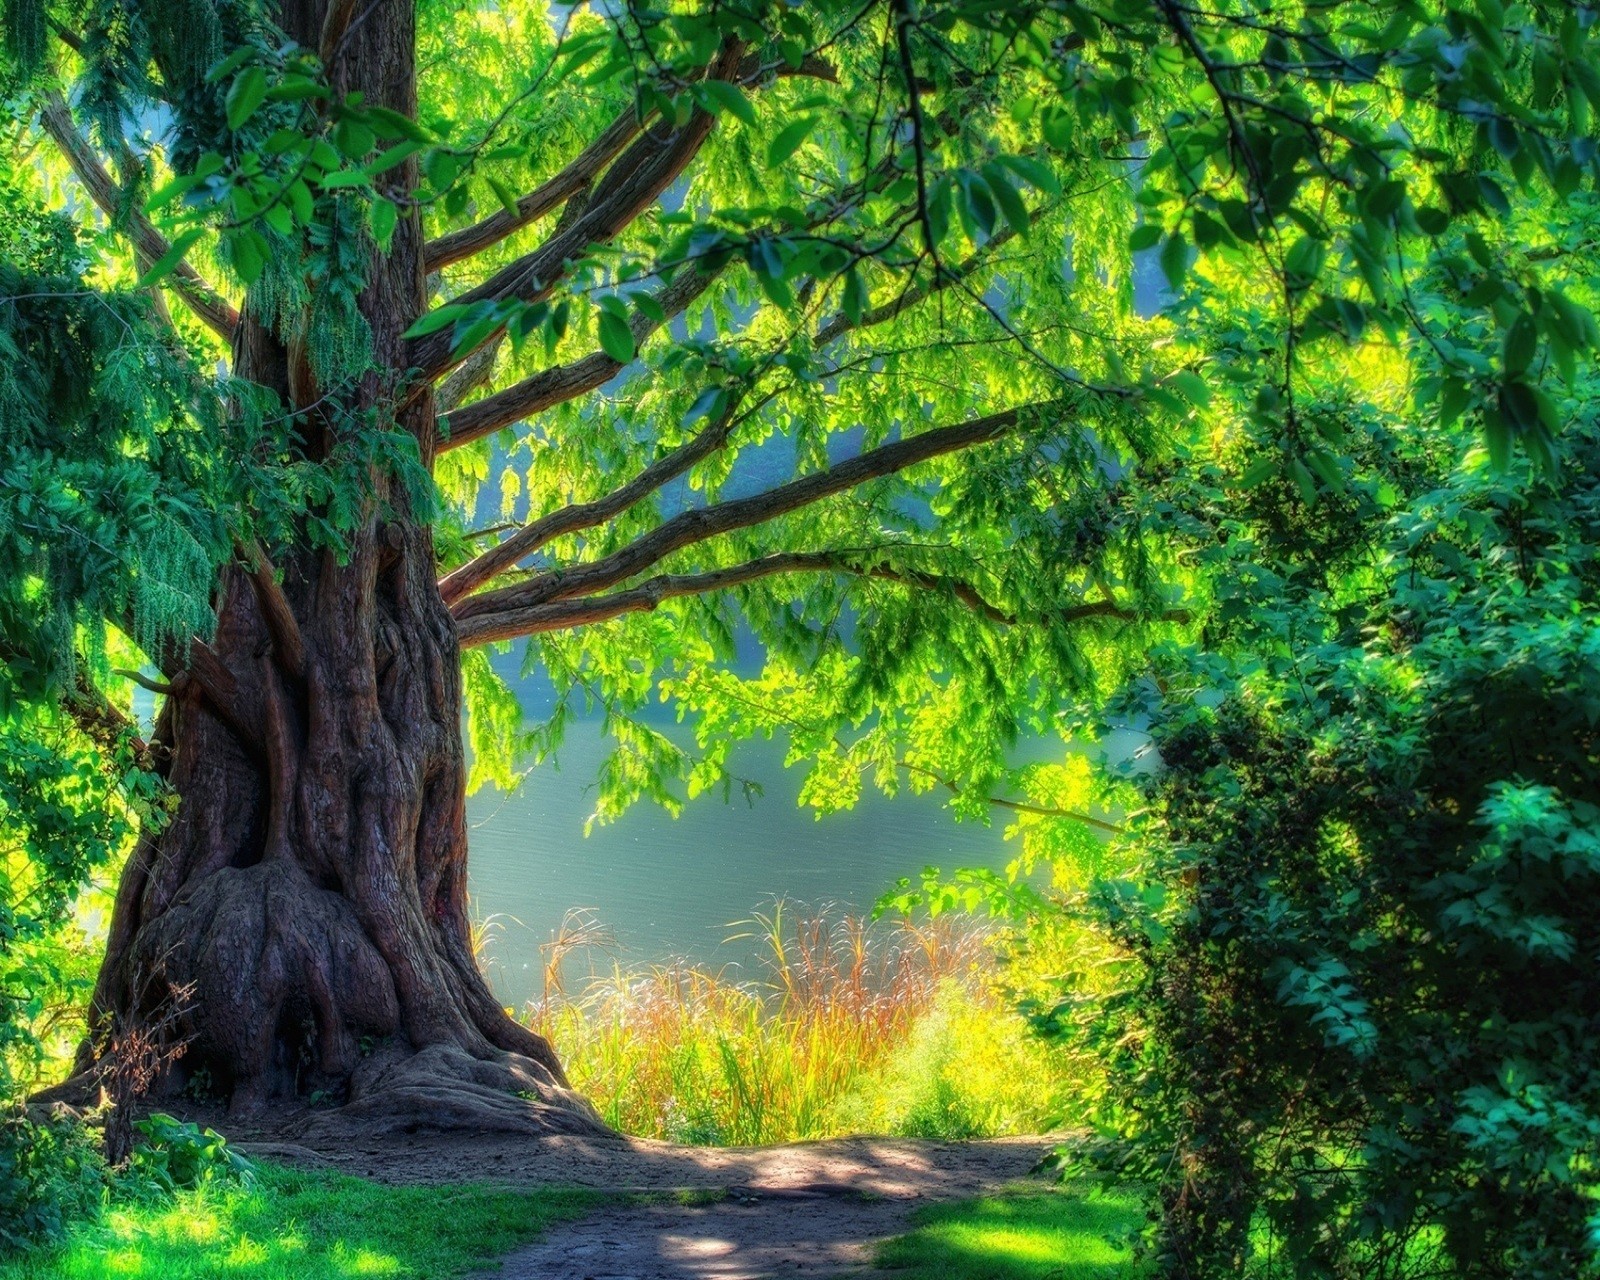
[506, 196]
[1175, 259]
[167, 192]
[1145, 236]
[382, 216]
[343, 178]
[353, 138]
[170, 259]
[1522, 341]
[1303, 481]
[1192, 387]
[437, 319]
[723, 98]
[789, 139]
[1007, 197]
[441, 166]
[391, 124]
[230, 64]
[1034, 172]
[854, 301]
[300, 200]
[279, 218]
[616, 338]
[388, 158]
[1454, 396]
[246, 93]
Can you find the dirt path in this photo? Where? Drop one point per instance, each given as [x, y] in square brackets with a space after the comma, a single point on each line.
[806, 1209]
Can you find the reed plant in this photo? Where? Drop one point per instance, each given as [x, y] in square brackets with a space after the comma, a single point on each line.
[894, 1026]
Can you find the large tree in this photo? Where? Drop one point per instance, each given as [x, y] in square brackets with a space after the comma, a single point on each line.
[807, 324]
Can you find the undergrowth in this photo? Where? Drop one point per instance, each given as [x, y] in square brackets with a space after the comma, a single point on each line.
[895, 1027]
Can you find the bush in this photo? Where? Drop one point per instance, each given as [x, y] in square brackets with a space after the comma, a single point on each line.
[51, 1174]
[177, 1155]
[1361, 1035]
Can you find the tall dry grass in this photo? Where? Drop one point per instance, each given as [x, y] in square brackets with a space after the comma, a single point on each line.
[853, 1026]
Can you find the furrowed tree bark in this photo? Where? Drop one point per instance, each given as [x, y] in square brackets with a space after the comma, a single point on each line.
[312, 885]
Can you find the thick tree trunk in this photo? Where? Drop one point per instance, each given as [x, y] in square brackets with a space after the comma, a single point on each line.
[310, 894]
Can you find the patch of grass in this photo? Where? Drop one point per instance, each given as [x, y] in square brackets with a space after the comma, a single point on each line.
[893, 1027]
[294, 1225]
[1073, 1233]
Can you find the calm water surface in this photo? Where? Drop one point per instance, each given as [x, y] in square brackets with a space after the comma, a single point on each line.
[676, 887]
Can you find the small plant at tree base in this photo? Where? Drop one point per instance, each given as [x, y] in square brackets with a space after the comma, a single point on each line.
[176, 1155]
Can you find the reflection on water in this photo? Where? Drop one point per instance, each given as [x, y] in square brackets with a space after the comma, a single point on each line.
[675, 887]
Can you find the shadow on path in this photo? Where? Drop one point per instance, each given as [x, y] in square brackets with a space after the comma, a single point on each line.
[803, 1209]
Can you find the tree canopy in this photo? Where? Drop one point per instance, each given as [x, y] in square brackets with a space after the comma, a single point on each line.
[681, 258]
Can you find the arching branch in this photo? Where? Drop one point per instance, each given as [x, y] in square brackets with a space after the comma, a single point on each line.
[550, 387]
[209, 305]
[287, 644]
[585, 167]
[629, 187]
[560, 615]
[577, 175]
[566, 614]
[586, 515]
[697, 525]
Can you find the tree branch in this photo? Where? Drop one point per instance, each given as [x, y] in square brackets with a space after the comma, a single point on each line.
[628, 188]
[583, 170]
[334, 25]
[221, 690]
[690, 527]
[287, 643]
[1016, 806]
[541, 200]
[563, 614]
[209, 305]
[104, 724]
[586, 515]
[550, 387]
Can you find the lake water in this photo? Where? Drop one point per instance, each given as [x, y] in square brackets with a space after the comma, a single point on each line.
[670, 887]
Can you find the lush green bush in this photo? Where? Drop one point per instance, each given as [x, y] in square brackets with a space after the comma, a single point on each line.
[51, 1174]
[99, 518]
[1361, 1035]
[176, 1155]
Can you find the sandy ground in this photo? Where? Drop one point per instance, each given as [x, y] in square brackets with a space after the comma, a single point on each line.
[805, 1209]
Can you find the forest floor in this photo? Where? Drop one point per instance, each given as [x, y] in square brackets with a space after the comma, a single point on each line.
[697, 1213]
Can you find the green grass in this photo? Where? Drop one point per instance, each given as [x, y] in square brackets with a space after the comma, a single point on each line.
[1074, 1233]
[304, 1226]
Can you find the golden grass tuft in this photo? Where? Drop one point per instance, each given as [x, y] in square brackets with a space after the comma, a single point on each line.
[892, 1026]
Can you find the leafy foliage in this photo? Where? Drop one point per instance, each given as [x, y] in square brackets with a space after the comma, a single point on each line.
[869, 232]
[109, 508]
[176, 1154]
[1358, 1031]
[51, 1175]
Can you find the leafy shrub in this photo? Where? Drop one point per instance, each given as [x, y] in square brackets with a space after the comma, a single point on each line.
[177, 1155]
[1361, 1033]
[50, 1174]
